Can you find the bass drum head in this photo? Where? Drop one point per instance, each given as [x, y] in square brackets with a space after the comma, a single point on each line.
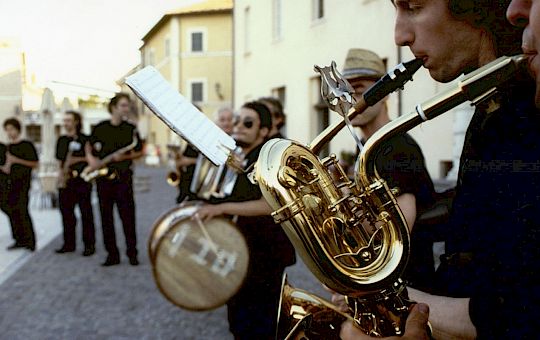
[199, 271]
[166, 221]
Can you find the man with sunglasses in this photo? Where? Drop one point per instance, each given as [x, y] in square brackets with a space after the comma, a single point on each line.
[252, 311]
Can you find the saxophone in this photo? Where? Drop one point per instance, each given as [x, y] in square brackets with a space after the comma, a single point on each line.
[66, 173]
[89, 174]
[352, 235]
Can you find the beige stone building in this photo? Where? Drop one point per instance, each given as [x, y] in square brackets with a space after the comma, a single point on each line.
[277, 43]
[11, 79]
[192, 49]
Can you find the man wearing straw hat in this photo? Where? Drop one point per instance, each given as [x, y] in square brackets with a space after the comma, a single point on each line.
[401, 164]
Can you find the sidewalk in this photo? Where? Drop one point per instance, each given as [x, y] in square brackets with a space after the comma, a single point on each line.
[47, 226]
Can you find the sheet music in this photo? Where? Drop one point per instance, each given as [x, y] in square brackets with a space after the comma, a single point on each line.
[180, 115]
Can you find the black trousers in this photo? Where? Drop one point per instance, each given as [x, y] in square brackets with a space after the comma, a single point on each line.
[252, 312]
[119, 192]
[16, 208]
[77, 192]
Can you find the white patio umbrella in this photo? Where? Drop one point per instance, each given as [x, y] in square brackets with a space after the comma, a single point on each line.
[66, 105]
[48, 142]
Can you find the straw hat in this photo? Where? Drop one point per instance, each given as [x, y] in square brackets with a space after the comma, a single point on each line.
[364, 64]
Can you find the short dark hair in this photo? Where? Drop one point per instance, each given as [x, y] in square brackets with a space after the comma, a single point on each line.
[77, 117]
[116, 99]
[490, 15]
[264, 114]
[276, 109]
[13, 122]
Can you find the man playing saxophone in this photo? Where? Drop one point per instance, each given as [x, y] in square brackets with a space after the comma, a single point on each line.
[527, 14]
[252, 311]
[20, 158]
[73, 190]
[488, 285]
[107, 140]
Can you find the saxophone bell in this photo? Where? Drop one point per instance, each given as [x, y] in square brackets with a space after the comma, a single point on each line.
[173, 178]
[174, 152]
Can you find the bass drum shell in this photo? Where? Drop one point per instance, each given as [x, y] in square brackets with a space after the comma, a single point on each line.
[187, 269]
[166, 220]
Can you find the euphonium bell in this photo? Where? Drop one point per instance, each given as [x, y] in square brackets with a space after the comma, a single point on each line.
[303, 315]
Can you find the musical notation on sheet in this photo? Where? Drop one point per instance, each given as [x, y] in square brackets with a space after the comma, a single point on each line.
[180, 115]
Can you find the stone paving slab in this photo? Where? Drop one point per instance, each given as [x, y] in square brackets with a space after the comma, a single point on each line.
[68, 296]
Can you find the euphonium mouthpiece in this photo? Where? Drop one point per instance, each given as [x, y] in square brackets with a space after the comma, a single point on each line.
[338, 94]
[393, 80]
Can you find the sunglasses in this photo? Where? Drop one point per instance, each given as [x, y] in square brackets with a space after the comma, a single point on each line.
[248, 123]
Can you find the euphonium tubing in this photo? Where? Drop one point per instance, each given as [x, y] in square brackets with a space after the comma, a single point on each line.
[205, 178]
[197, 267]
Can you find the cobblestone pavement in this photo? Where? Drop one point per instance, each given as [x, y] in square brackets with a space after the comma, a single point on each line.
[68, 296]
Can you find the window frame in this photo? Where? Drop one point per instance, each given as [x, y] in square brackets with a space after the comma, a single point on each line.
[204, 90]
[204, 41]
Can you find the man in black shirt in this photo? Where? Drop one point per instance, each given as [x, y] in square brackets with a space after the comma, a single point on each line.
[193, 166]
[4, 184]
[490, 270]
[278, 116]
[253, 310]
[526, 14]
[21, 158]
[185, 166]
[72, 189]
[114, 144]
[400, 163]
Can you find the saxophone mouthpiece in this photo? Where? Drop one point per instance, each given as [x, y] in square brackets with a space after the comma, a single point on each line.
[393, 80]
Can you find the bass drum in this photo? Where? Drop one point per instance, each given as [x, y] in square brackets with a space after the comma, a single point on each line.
[197, 266]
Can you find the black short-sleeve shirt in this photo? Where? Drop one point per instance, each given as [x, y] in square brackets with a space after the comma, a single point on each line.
[76, 145]
[401, 164]
[23, 150]
[3, 176]
[107, 138]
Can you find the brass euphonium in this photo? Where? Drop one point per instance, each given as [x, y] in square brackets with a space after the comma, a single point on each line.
[211, 181]
[352, 235]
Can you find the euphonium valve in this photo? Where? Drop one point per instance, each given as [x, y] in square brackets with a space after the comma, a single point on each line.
[350, 244]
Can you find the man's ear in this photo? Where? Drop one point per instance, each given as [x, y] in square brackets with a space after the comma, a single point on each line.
[264, 131]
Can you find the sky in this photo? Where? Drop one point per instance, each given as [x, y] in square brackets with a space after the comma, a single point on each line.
[89, 43]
